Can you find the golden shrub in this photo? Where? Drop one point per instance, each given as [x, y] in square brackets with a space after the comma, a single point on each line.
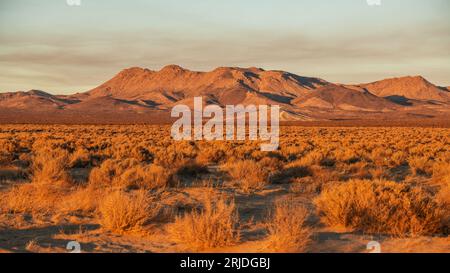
[380, 207]
[122, 212]
[51, 166]
[216, 225]
[287, 227]
[248, 175]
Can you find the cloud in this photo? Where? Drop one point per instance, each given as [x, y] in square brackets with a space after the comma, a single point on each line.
[66, 62]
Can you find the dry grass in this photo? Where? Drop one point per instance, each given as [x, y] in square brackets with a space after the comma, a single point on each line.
[441, 177]
[122, 212]
[31, 198]
[287, 228]
[216, 225]
[419, 165]
[50, 166]
[248, 175]
[82, 201]
[57, 175]
[380, 207]
[130, 174]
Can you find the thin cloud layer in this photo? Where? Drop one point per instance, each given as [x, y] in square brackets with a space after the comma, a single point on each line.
[75, 61]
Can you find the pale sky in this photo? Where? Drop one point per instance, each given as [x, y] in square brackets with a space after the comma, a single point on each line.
[52, 46]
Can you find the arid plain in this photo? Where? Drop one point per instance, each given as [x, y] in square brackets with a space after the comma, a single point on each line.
[125, 188]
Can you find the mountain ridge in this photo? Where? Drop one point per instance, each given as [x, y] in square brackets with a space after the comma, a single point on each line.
[141, 91]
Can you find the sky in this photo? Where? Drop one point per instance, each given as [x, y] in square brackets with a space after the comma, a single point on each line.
[60, 48]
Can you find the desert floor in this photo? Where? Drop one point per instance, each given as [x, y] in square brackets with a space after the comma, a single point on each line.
[133, 189]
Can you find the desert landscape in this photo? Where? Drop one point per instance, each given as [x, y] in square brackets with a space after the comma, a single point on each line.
[131, 188]
[144, 127]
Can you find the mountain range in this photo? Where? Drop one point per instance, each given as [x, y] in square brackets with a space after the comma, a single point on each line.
[138, 95]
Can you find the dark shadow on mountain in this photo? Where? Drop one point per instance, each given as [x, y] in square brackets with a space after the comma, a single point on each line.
[445, 89]
[418, 115]
[304, 81]
[251, 75]
[401, 100]
[149, 103]
[277, 98]
[131, 102]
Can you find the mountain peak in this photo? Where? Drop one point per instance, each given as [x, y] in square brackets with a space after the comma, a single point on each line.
[132, 71]
[173, 68]
[410, 87]
[406, 81]
[415, 79]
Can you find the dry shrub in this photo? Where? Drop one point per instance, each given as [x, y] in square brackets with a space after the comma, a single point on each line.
[287, 229]
[379, 156]
[209, 155]
[81, 158]
[312, 158]
[191, 168]
[130, 173]
[358, 170]
[443, 198]
[347, 156]
[248, 174]
[103, 175]
[441, 176]
[418, 165]
[32, 246]
[83, 201]
[306, 185]
[175, 156]
[380, 207]
[7, 150]
[122, 212]
[441, 172]
[31, 198]
[324, 175]
[50, 184]
[378, 173]
[142, 154]
[398, 158]
[51, 166]
[147, 177]
[272, 164]
[216, 225]
[291, 172]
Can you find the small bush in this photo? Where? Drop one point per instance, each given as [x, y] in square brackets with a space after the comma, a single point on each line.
[130, 174]
[146, 177]
[287, 229]
[441, 173]
[418, 165]
[248, 175]
[110, 169]
[81, 158]
[50, 166]
[216, 225]
[121, 212]
[312, 158]
[31, 198]
[209, 156]
[380, 207]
